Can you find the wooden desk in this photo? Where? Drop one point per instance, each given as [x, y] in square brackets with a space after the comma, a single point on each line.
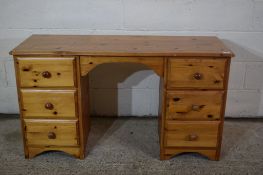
[52, 82]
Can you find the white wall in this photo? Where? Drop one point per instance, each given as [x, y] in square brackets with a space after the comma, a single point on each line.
[128, 89]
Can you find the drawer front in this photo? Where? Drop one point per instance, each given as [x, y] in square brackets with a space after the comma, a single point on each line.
[196, 73]
[191, 134]
[48, 103]
[194, 105]
[51, 132]
[46, 72]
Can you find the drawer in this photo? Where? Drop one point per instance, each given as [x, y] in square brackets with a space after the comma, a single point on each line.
[46, 72]
[51, 132]
[194, 105]
[196, 73]
[48, 103]
[191, 134]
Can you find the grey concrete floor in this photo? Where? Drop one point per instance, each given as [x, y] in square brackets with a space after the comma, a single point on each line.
[130, 146]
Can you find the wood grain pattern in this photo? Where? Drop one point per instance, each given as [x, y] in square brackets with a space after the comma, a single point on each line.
[33, 151]
[179, 134]
[194, 105]
[65, 131]
[122, 45]
[87, 63]
[63, 103]
[31, 71]
[181, 73]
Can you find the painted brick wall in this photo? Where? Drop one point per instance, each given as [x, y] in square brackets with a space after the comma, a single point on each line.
[121, 89]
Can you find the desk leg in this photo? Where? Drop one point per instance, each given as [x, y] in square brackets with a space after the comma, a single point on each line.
[161, 122]
[162, 109]
[83, 110]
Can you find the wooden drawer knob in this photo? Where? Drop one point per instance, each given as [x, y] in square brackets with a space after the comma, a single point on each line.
[198, 76]
[176, 99]
[195, 107]
[192, 137]
[51, 135]
[46, 74]
[49, 106]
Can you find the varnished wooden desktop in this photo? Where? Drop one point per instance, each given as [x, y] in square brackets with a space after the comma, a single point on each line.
[52, 82]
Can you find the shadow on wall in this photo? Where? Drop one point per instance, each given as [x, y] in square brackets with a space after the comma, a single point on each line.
[123, 89]
[245, 95]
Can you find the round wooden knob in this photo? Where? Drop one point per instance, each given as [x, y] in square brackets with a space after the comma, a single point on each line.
[198, 76]
[49, 106]
[195, 107]
[51, 135]
[46, 74]
[192, 137]
[176, 99]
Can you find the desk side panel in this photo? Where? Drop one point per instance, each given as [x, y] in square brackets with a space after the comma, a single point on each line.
[83, 106]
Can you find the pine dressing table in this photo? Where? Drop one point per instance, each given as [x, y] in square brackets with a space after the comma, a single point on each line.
[52, 84]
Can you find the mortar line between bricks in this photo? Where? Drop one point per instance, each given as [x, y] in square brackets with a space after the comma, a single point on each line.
[136, 30]
[5, 76]
[242, 61]
[245, 75]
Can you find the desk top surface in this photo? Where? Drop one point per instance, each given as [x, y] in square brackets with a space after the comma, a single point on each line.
[120, 45]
